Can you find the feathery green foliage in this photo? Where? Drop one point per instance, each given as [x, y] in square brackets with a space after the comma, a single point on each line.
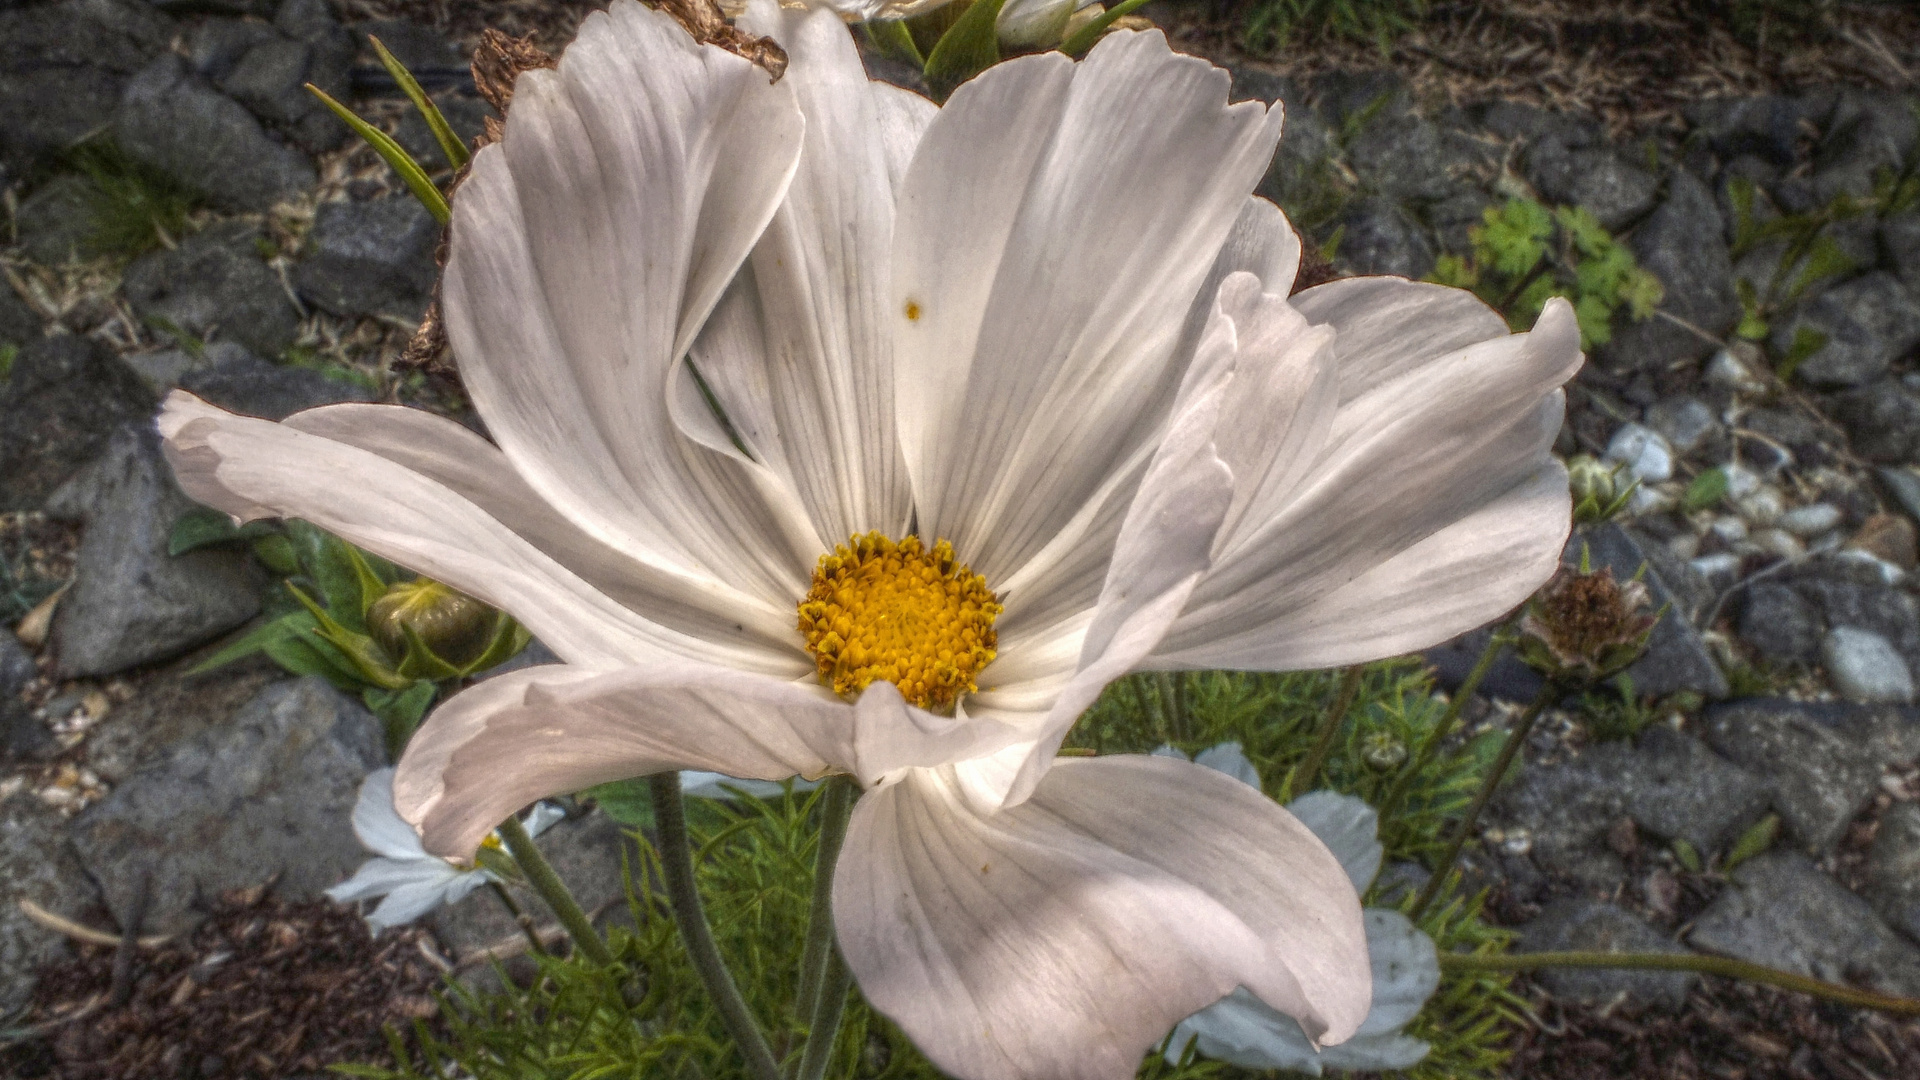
[132, 208]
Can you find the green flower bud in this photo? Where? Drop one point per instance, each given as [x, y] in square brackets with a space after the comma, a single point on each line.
[453, 626]
[1382, 750]
[1599, 490]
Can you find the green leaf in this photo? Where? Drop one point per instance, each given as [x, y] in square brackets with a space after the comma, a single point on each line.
[363, 657]
[256, 640]
[307, 653]
[402, 162]
[1584, 230]
[628, 802]
[969, 48]
[1754, 841]
[420, 662]
[450, 145]
[1084, 38]
[892, 37]
[400, 710]
[1806, 342]
[1642, 292]
[1515, 237]
[346, 583]
[277, 554]
[200, 526]
[1825, 259]
[1455, 271]
[1706, 491]
[1596, 321]
[1688, 856]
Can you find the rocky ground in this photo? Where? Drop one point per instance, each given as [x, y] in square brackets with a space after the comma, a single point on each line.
[1768, 807]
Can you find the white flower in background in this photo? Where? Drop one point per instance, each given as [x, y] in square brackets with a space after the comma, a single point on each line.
[412, 881]
[1244, 1031]
[1047, 329]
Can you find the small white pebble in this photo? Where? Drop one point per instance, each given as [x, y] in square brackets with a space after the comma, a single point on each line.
[1866, 667]
[1730, 530]
[1811, 519]
[1763, 507]
[1720, 569]
[1827, 541]
[1650, 500]
[1779, 542]
[1684, 546]
[1741, 481]
[1890, 573]
[1727, 371]
[1644, 451]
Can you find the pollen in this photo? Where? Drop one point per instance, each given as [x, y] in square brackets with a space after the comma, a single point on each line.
[913, 311]
[881, 610]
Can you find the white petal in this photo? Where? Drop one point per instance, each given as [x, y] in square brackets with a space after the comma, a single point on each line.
[377, 877]
[1228, 758]
[1402, 463]
[1390, 326]
[1035, 23]
[588, 248]
[1350, 829]
[446, 452]
[254, 468]
[699, 784]
[409, 902]
[542, 817]
[541, 731]
[1053, 230]
[378, 824]
[1063, 937]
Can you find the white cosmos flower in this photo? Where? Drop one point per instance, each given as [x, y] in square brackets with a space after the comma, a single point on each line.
[1243, 1030]
[1047, 324]
[411, 881]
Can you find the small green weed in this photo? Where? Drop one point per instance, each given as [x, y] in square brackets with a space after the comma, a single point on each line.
[134, 208]
[1526, 253]
[7, 353]
[1272, 24]
[1616, 713]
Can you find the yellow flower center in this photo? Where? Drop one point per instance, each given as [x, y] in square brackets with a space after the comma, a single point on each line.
[492, 841]
[894, 611]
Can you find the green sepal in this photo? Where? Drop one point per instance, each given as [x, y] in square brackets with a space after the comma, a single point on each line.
[256, 640]
[509, 637]
[307, 653]
[892, 37]
[401, 711]
[420, 662]
[497, 862]
[200, 527]
[391, 152]
[450, 144]
[362, 653]
[277, 554]
[1084, 38]
[969, 48]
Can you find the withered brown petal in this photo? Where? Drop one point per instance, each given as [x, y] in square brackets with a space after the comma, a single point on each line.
[708, 25]
[498, 62]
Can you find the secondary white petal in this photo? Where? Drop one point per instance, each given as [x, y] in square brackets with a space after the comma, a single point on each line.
[254, 468]
[379, 876]
[1390, 326]
[409, 902]
[1350, 829]
[1053, 230]
[542, 817]
[378, 824]
[700, 784]
[1061, 938]
[541, 731]
[588, 248]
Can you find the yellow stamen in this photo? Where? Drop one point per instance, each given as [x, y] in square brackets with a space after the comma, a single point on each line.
[492, 841]
[917, 619]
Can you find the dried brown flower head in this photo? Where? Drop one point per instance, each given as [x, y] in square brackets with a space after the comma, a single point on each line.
[709, 26]
[499, 61]
[1583, 627]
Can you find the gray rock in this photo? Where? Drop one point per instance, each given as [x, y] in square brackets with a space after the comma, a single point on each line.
[305, 19]
[170, 709]
[63, 67]
[16, 666]
[1675, 788]
[1395, 156]
[1769, 126]
[1866, 667]
[1528, 123]
[175, 121]
[1676, 658]
[269, 793]
[61, 402]
[1685, 422]
[215, 283]
[55, 223]
[1302, 170]
[586, 853]
[1893, 869]
[161, 369]
[1783, 912]
[1882, 421]
[216, 45]
[1821, 761]
[1382, 238]
[1508, 679]
[18, 322]
[1616, 191]
[1358, 98]
[371, 258]
[1868, 323]
[271, 79]
[1681, 243]
[1786, 616]
[1566, 810]
[1867, 133]
[23, 736]
[243, 383]
[1455, 217]
[1589, 925]
[1904, 486]
[425, 50]
[37, 865]
[1780, 623]
[132, 603]
[1900, 237]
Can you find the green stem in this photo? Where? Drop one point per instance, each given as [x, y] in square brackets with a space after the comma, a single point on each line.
[836, 805]
[1430, 746]
[1549, 693]
[544, 881]
[683, 895]
[520, 918]
[1303, 776]
[1173, 725]
[1705, 965]
[825, 1030]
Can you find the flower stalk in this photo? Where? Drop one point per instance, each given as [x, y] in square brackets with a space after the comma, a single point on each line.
[1696, 962]
[520, 918]
[1430, 746]
[683, 896]
[827, 1008]
[1549, 693]
[1307, 772]
[541, 877]
[836, 805]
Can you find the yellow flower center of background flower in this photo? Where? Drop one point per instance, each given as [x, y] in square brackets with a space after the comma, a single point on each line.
[894, 611]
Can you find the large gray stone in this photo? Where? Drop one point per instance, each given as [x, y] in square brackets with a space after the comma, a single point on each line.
[269, 793]
[1676, 658]
[1675, 788]
[215, 284]
[55, 223]
[216, 45]
[1616, 191]
[1681, 243]
[37, 865]
[1782, 911]
[271, 79]
[1395, 155]
[1867, 133]
[1900, 237]
[1382, 238]
[18, 323]
[243, 383]
[1864, 666]
[1821, 761]
[63, 67]
[1579, 924]
[1565, 810]
[1882, 421]
[172, 119]
[61, 402]
[371, 258]
[1868, 323]
[1893, 869]
[131, 602]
